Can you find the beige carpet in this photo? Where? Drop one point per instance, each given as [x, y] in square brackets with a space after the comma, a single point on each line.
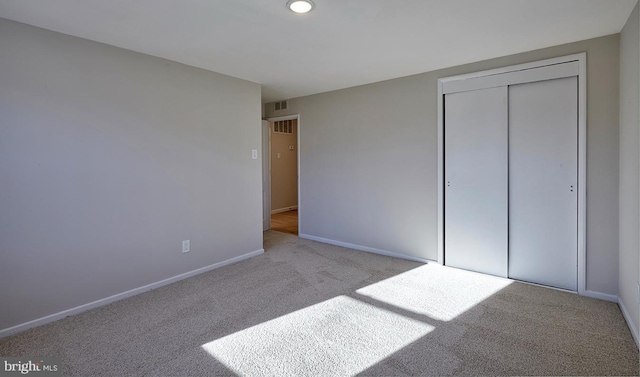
[306, 308]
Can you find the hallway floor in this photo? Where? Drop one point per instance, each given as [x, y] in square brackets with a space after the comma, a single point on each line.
[286, 222]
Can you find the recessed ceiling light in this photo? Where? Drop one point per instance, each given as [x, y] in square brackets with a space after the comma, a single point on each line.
[300, 6]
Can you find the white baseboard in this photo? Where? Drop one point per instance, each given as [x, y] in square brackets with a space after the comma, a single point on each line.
[286, 209]
[364, 248]
[632, 326]
[107, 300]
[600, 296]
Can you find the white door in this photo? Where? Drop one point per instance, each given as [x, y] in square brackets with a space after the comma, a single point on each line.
[543, 178]
[475, 145]
[266, 176]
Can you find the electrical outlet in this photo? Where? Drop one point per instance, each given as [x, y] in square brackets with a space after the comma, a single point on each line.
[186, 246]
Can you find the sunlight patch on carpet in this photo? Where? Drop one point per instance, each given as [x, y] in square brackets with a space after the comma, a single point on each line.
[340, 336]
[434, 291]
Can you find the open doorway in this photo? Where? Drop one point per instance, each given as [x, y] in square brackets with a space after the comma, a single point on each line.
[280, 174]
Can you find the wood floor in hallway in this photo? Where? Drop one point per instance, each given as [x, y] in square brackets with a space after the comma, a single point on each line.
[286, 222]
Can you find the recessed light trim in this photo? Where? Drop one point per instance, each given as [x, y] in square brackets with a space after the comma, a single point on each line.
[300, 6]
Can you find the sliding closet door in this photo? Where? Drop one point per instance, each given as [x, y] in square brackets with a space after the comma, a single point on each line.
[543, 176]
[476, 180]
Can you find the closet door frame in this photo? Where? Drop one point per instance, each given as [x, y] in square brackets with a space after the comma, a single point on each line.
[528, 72]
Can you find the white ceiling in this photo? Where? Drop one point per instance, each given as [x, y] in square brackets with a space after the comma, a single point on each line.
[341, 43]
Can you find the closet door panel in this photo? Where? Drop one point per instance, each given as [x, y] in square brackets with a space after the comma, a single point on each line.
[543, 176]
[476, 180]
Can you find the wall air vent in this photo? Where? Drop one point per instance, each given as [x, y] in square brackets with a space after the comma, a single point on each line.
[283, 127]
[281, 105]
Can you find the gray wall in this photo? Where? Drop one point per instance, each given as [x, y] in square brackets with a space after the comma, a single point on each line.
[108, 160]
[629, 165]
[369, 160]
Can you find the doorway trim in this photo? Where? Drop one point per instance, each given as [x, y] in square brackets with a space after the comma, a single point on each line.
[289, 117]
[266, 174]
[581, 59]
